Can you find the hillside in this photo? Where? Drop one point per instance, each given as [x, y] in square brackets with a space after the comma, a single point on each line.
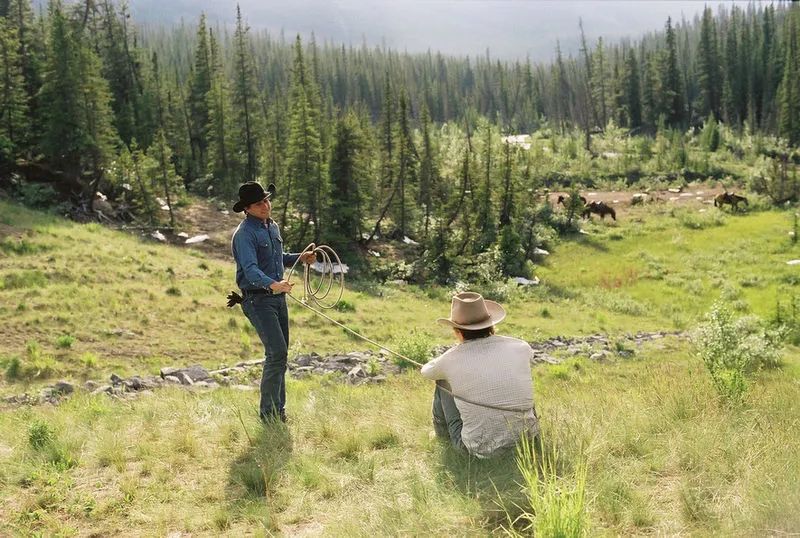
[662, 454]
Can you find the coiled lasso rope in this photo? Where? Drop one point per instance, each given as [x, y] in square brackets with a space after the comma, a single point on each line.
[314, 295]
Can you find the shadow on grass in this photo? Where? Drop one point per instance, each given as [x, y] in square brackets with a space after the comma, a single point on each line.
[591, 242]
[255, 474]
[496, 484]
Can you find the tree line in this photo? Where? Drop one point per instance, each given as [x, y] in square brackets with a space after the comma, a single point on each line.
[362, 141]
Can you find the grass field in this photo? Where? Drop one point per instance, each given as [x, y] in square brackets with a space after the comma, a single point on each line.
[662, 454]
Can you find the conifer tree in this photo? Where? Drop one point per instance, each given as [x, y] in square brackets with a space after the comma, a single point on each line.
[670, 97]
[708, 71]
[346, 175]
[485, 225]
[789, 93]
[245, 104]
[75, 100]
[13, 100]
[407, 165]
[199, 88]
[219, 128]
[304, 150]
[428, 171]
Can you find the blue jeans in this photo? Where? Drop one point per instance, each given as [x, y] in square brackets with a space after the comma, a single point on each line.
[270, 317]
[446, 417]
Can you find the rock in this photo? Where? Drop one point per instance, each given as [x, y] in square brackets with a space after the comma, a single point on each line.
[172, 379]
[115, 379]
[522, 281]
[357, 371]
[194, 373]
[408, 241]
[90, 385]
[793, 262]
[540, 252]
[158, 236]
[102, 388]
[184, 378]
[183, 235]
[599, 356]
[196, 239]
[245, 388]
[62, 387]
[136, 384]
[303, 360]
[397, 282]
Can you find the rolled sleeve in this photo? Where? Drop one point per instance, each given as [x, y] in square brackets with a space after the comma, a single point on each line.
[244, 249]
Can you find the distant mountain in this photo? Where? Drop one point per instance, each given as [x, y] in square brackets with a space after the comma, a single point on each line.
[510, 29]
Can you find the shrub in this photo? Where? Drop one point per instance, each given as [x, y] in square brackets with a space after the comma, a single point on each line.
[731, 349]
[65, 341]
[415, 345]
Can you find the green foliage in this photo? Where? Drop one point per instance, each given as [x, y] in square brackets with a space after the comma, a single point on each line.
[733, 348]
[414, 344]
[65, 341]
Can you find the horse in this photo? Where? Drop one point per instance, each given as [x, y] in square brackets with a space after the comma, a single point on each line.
[563, 200]
[598, 208]
[730, 199]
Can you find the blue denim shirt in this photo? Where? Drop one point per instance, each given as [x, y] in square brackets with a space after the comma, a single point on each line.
[258, 250]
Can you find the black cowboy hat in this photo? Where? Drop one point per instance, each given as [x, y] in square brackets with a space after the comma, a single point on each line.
[252, 192]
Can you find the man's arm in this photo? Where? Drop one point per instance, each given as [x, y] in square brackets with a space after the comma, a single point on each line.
[244, 250]
[433, 369]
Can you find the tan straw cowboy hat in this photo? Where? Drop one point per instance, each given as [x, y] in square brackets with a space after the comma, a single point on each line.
[470, 311]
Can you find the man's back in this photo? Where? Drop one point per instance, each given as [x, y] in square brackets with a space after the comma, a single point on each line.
[494, 370]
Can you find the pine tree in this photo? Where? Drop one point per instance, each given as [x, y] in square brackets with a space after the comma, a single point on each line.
[218, 127]
[708, 72]
[485, 225]
[304, 150]
[31, 53]
[407, 165]
[199, 88]
[346, 175]
[13, 100]
[599, 83]
[245, 104]
[789, 93]
[428, 171]
[631, 91]
[670, 97]
[75, 100]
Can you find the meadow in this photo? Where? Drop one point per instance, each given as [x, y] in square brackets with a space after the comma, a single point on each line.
[644, 444]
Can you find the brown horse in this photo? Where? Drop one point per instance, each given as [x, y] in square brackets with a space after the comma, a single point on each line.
[598, 208]
[563, 200]
[729, 198]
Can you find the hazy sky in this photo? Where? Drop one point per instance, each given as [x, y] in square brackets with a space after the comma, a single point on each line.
[511, 29]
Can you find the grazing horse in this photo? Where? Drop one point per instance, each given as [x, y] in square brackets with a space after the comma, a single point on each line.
[563, 200]
[730, 199]
[599, 208]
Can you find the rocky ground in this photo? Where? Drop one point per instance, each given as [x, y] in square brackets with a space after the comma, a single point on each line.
[358, 367]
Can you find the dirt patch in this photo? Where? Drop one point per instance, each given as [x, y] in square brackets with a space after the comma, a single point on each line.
[691, 195]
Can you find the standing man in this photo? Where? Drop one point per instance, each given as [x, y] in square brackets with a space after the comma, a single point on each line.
[483, 400]
[257, 247]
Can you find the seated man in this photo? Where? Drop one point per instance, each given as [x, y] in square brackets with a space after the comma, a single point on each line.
[483, 400]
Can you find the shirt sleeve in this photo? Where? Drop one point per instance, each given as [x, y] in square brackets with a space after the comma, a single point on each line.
[244, 250]
[433, 369]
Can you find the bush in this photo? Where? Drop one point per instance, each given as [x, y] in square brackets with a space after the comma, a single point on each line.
[65, 341]
[733, 348]
[415, 345]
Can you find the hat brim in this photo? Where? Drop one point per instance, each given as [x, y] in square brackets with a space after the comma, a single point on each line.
[239, 206]
[496, 314]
